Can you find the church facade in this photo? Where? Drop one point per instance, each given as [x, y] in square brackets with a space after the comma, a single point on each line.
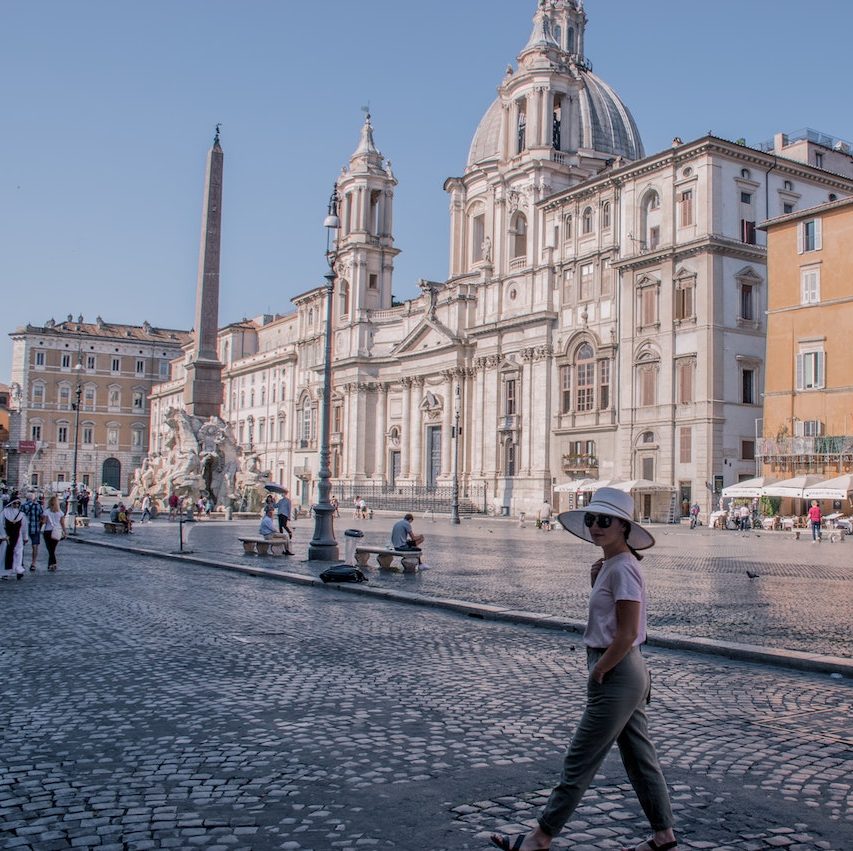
[603, 316]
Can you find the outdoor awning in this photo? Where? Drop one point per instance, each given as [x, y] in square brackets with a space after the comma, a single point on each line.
[644, 485]
[748, 489]
[838, 488]
[575, 485]
[791, 487]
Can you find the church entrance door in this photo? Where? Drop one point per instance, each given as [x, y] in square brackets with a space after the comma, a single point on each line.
[111, 473]
[433, 455]
[395, 468]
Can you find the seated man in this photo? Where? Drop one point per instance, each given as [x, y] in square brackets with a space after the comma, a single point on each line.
[269, 529]
[114, 514]
[402, 536]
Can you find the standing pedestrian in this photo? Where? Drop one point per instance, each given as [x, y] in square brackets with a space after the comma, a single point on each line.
[173, 505]
[694, 515]
[15, 528]
[83, 499]
[54, 531]
[34, 510]
[619, 685]
[146, 508]
[815, 519]
[283, 508]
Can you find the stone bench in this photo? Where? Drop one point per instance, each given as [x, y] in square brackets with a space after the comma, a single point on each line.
[409, 559]
[264, 546]
[115, 528]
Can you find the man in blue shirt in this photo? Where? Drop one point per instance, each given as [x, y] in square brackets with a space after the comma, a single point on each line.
[268, 524]
[402, 536]
[34, 510]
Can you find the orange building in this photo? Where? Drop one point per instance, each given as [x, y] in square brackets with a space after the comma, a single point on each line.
[808, 395]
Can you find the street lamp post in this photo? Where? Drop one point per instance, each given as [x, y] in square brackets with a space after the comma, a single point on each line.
[457, 405]
[323, 546]
[77, 393]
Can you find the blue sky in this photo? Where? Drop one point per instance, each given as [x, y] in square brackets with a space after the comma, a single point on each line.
[110, 108]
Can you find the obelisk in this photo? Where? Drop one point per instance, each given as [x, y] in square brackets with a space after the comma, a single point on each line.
[203, 387]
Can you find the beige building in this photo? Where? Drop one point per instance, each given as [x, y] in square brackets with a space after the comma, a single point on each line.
[808, 401]
[114, 366]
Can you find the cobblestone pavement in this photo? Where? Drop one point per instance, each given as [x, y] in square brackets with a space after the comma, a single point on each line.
[149, 704]
[802, 599]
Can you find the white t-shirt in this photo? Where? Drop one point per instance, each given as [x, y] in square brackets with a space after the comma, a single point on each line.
[52, 520]
[620, 578]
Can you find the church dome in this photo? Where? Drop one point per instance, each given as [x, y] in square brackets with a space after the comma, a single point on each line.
[487, 140]
[606, 124]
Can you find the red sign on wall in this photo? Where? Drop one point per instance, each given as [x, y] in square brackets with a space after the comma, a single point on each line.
[27, 446]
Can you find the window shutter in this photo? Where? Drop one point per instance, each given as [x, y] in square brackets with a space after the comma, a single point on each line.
[820, 357]
[800, 372]
[801, 228]
[818, 237]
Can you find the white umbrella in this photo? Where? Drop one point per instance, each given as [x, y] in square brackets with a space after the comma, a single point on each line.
[641, 485]
[749, 488]
[791, 487]
[838, 488]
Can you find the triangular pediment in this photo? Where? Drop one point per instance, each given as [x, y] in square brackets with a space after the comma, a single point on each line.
[427, 335]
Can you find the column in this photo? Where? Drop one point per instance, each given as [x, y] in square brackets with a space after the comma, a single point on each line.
[360, 394]
[447, 424]
[381, 428]
[416, 462]
[526, 446]
[406, 436]
[477, 417]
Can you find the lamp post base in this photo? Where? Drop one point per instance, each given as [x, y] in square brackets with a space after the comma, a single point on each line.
[323, 546]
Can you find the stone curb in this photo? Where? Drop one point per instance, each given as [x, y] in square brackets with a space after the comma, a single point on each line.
[798, 660]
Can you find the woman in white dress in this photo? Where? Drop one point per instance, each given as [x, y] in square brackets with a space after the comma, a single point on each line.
[54, 530]
[15, 531]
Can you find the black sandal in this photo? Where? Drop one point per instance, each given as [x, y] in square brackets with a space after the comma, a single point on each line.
[653, 846]
[503, 842]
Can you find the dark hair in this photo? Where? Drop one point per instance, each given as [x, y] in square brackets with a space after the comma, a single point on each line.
[626, 528]
[408, 517]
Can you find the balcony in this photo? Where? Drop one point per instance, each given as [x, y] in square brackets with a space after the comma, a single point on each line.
[805, 453]
[517, 264]
[508, 422]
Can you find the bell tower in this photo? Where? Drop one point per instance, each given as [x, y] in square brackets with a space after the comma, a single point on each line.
[365, 248]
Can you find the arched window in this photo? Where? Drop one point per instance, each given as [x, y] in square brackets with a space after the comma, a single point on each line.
[567, 227]
[647, 381]
[586, 221]
[519, 230]
[651, 219]
[585, 378]
[605, 215]
[477, 229]
[263, 395]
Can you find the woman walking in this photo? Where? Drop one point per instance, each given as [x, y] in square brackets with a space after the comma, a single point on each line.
[618, 686]
[54, 530]
[15, 530]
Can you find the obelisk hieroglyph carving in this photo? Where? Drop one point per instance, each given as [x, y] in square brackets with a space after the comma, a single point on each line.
[203, 387]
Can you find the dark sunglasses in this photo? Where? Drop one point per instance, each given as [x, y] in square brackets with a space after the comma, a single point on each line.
[603, 520]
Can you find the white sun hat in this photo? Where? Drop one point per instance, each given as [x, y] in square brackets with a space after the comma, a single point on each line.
[614, 503]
